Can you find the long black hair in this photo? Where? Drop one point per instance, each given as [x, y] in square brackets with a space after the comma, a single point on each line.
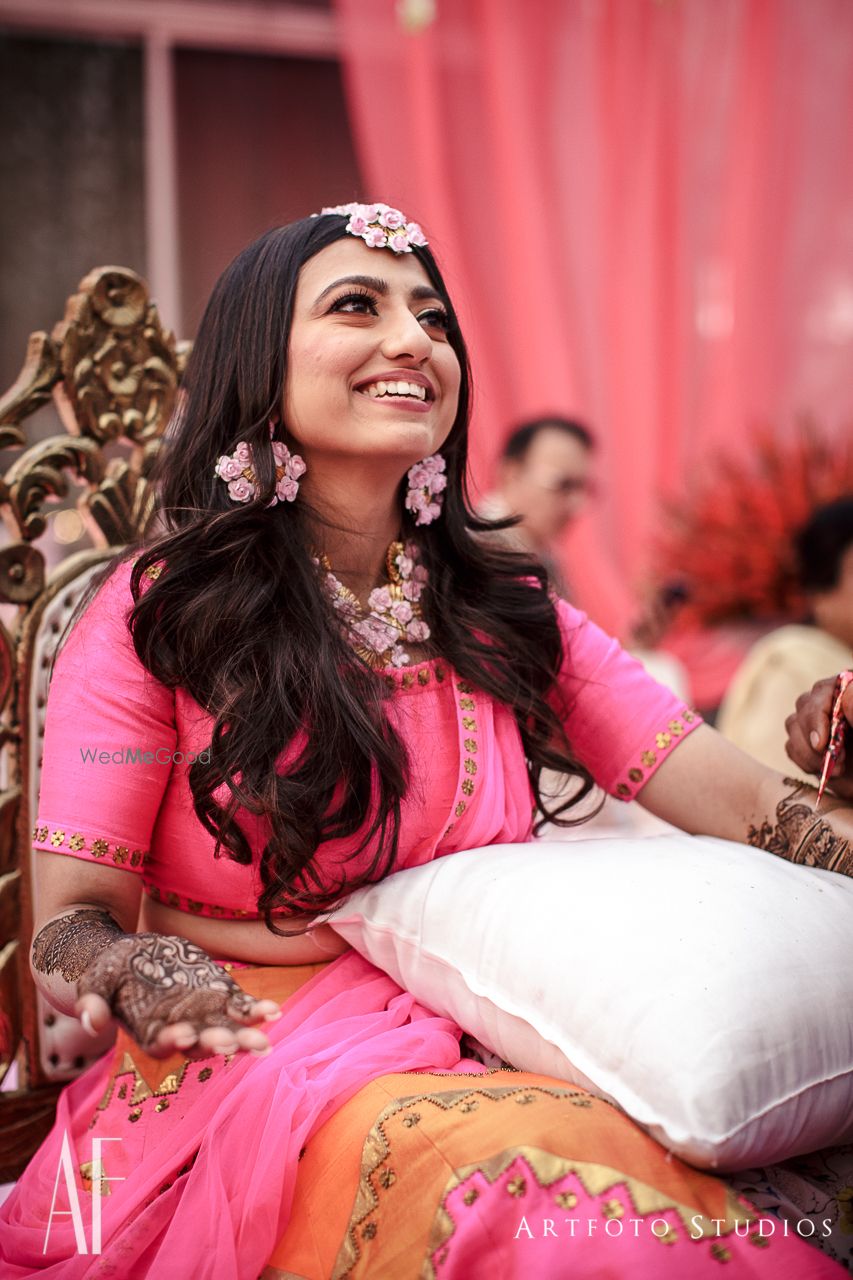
[238, 619]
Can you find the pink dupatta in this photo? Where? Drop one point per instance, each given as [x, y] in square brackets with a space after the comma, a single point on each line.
[248, 1123]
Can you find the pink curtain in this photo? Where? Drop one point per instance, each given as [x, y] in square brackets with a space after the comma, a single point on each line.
[645, 212]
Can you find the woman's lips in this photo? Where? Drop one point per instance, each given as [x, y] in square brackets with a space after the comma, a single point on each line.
[407, 403]
[417, 384]
[411, 392]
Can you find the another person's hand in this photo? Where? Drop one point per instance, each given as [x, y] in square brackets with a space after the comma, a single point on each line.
[171, 997]
[808, 735]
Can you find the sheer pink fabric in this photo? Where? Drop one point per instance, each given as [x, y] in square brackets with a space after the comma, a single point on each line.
[221, 1220]
[644, 212]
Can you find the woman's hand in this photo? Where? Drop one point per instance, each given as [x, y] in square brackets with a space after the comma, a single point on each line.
[808, 735]
[171, 997]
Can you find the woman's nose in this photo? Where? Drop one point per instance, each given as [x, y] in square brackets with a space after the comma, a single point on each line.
[404, 335]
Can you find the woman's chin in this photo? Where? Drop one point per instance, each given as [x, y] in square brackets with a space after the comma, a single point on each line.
[403, 443]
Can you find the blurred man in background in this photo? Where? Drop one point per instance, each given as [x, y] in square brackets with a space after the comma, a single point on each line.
[545, 478]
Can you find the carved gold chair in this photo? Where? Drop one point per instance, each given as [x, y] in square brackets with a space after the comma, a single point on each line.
[111, 372]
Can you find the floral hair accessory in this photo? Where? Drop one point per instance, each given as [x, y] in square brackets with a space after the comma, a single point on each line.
[427, 482]
[236, 468]
[379, 226]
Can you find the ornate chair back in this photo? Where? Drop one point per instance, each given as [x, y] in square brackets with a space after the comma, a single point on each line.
[111, 372]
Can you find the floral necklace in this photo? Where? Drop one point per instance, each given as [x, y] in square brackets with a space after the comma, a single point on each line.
[394, 610]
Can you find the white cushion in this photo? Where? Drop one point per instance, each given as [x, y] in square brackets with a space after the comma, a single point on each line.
[703, 986]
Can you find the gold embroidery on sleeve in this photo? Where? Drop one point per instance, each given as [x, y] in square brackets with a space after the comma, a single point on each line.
[663, 741]
[76, 842]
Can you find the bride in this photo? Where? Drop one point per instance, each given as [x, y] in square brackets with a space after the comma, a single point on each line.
[318, 668]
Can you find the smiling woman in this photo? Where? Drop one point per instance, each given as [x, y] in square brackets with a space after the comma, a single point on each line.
[334, 672]
[375, 380]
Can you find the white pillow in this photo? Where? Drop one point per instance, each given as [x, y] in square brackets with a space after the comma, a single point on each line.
[703, 986]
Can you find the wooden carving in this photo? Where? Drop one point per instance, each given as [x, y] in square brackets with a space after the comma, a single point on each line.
[112, 371]
[119, 368]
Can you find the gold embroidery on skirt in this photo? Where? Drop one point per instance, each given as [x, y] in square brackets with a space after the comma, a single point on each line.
[141, 1089]
[547, 1168]
[595, 1180]
[86, 1170]
[377, 1150]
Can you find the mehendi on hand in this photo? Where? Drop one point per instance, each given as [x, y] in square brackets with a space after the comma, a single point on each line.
[68, 944]
[153, 980]
[801, 835]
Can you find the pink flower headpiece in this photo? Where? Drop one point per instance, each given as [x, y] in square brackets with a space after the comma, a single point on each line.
[236, 468]
[379, 226]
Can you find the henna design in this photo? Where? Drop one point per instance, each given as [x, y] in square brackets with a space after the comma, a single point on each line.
[69, 944]
[153, 980]
[801, 835]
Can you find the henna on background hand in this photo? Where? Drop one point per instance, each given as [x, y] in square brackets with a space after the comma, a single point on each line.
[801, 835]
[152, 980]
[69, 944]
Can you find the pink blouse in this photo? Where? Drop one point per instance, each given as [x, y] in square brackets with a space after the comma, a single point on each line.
[118, 745]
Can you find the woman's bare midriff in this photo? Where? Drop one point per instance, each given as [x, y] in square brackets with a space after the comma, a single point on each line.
[247, 940]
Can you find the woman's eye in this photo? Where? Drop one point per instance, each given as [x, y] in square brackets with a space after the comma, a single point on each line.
[361, 304]
[435, 318]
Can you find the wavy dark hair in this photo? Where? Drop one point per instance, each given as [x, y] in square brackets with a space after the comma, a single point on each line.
[238, 619]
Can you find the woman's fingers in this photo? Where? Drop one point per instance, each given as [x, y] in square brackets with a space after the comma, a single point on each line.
[94, 1013]
[232, 1039]
[239, 1030]
[253, 1040]
[249, 1010]
[218, 1032]
[202, 1041]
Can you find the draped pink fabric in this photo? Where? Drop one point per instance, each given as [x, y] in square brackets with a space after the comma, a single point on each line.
[349, 1024]
[645, 212]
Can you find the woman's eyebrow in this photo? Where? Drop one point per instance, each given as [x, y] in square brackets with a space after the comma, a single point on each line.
[367, 282]
[422, 291]
[377, 285]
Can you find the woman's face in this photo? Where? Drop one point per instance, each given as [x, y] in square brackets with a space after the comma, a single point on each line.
[371, 374]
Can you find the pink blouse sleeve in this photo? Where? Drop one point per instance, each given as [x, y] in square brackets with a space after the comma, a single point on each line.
[621, 723]
[108, 739]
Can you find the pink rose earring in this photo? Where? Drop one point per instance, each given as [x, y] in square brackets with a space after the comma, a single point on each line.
[427, 482]
[236, 468]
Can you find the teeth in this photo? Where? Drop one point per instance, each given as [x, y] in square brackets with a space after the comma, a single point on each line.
[413, 389]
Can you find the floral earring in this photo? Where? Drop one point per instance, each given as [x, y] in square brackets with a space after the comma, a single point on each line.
[236, 469]
[427, 482]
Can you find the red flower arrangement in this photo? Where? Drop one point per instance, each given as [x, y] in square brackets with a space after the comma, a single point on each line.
[729, 544]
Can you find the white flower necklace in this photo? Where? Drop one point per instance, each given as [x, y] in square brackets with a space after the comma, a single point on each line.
[394, 610]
